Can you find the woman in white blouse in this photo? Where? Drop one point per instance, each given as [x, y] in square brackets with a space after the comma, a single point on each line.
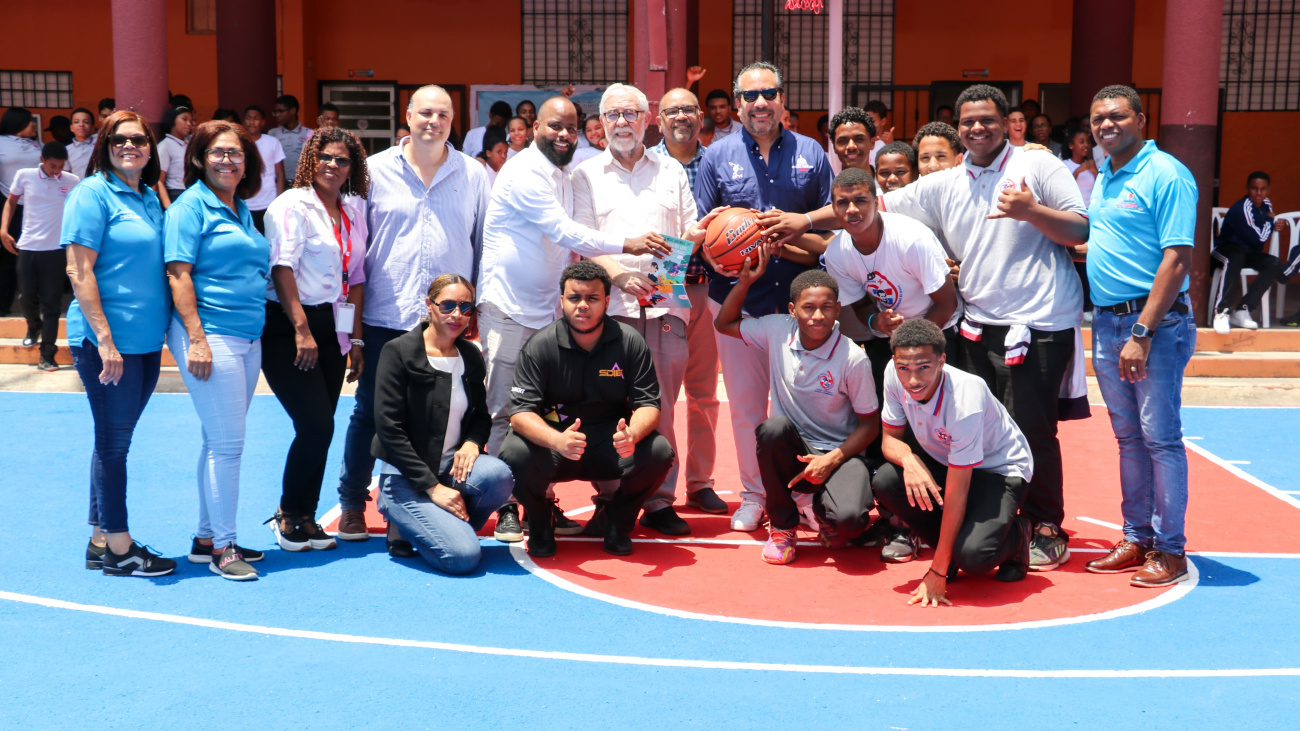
[317, 231]
[177, 123]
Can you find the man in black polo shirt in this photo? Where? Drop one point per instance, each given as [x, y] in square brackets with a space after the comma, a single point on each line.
[584, 406]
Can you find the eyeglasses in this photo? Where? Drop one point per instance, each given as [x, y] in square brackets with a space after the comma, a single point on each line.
[613, 116]
[120, 141]
[217, 154]
[339, 160]
[683, 111]
[752, 96]
[446, 307]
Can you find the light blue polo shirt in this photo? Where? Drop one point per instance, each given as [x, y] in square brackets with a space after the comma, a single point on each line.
[1134, 215]
[125, 227]
[231, 261]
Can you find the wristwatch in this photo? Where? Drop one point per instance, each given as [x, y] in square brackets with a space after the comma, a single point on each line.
[1141, 331]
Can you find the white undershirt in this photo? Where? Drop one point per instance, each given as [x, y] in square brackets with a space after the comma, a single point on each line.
[459, 401]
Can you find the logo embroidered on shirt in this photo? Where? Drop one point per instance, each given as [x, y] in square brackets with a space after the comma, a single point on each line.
[943, 436]
[226, 228]
[737, 172]
[1007, 184]
[825, 383]
[1128, 199]
[614, 372]
[801, 165]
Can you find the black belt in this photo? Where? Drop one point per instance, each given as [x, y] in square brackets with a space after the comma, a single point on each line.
[1127, 308]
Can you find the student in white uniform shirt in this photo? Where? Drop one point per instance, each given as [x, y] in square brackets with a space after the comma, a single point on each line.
[498, 115]
[177, 123]
[824, 411]
[82, 145]
[958, 465]
[272, 165]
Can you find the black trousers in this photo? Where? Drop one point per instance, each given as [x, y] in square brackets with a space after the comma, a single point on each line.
[985, 540]
[536, 467]
[259, 220]
[41, 276]
[9, 264]
[309, 397]
[844, 500]
[1232, 259]
[1031, 392]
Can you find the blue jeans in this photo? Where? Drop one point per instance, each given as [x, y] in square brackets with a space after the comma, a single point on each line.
[116, 410]
[358, 464]
[1148, 425]
[446, 542]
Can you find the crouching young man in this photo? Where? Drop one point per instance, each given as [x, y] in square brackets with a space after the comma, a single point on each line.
[958, 465]
[584, 406]
[824, 410]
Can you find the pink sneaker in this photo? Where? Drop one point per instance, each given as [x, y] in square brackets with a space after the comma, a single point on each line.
[779, 548]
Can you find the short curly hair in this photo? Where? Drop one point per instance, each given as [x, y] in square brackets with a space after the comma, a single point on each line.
[852, 114]
[918, 332]
[943, 131]
[358, 182]
[811, 279]
[898, 148]
[586, 270]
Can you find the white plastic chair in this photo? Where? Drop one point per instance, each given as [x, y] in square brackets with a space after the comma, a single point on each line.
[1216, 283]
[1293, 219]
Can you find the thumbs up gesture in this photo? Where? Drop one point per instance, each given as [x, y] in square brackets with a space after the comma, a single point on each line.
[624, 443]
[571, 443]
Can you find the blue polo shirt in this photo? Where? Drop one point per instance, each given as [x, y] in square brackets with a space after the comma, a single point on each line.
[1134, 215]
[231, 261]
[125, 228]
[797, 180]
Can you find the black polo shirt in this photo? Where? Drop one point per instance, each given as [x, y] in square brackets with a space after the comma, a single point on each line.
[558, 380]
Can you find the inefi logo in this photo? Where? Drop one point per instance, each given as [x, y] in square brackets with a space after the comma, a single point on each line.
[883, 291]
[1007, 184]
[737, 172]
[943, 436]
[825, 383]
[614, 372]
[1128, 199]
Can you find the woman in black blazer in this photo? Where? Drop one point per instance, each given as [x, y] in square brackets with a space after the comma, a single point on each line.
[436, 487]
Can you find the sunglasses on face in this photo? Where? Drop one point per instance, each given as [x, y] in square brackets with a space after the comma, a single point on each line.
[339, 160]
[135, 140]
[446, 307]
[752, 96]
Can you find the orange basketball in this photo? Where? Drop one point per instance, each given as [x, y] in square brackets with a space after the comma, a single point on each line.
[733, 236]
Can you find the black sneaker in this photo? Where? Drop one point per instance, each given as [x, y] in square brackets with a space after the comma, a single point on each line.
[666, 521]
[316, 535]
[508, 529]
[30, 339]
[47, 364]
[1292, 321]
[877, 535]
[296, 539]
[564, 525]
[137, 561]
[904, 545]
[202, 553]
[230, 564]
[95, 556]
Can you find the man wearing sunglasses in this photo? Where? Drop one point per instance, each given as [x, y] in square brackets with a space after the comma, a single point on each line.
[763, 167]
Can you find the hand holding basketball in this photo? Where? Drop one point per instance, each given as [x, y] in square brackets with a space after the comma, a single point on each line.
[753, 269]
[733, 236]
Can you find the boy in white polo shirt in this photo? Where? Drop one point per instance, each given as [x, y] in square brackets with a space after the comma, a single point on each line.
[42, 192]
[958, 465]
[824, 411]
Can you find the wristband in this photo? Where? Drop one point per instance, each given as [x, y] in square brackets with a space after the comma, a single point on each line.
[359, 342]
[936, 573]
[873, 330]
[810, 223]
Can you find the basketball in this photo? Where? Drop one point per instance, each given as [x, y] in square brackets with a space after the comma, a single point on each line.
[733, 236]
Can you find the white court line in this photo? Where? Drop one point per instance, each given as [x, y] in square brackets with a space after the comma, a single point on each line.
[1101, 523]
[1193, 437]
[1280, 495]
[1029, 674]
[1237, 461]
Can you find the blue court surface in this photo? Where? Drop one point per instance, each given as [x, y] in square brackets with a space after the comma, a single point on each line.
[352, 638]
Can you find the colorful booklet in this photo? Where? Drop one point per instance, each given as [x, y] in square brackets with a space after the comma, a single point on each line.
[669, 276]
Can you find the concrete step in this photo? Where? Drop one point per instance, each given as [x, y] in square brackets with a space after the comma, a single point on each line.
[1279, 339]
[12, 351]
[1237, 365]
[16, 327]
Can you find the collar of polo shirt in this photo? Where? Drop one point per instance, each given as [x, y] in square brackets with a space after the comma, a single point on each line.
[1134, 166]
[997, 165]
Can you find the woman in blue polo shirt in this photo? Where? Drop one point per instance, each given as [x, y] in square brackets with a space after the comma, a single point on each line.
[112, 231]
[217, 264]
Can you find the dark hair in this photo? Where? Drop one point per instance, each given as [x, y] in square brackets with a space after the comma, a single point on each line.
[1119, 91]
[329, 107]
[444, 281]
[1259, 174]
[54, 151]
[107, 102]
[288, 101]
[918, 332]
[851, 177]
[100, 160]
[255, 108]
[943, 131]
[849, 115]
[196, 156]
[1069, 137]
[403, 126]
[758, 66]
[493, 136]
[169, 119]
[501, 109]
[898, 148]
[942, 107]
[717, 94]
[877, 106]
[15, 120]
[984, 93]
[586, 271]
[810, 279]
[181, 100]
[588, 119]
[511, 119]
[358, 182]
[94, 120]
[521, 104]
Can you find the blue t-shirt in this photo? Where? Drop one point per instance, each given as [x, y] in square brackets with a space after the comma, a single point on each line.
[797, 180]
[231, 261]
[1134, 215]
[125, 227]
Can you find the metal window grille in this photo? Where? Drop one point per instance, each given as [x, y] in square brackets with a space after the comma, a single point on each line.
[800, 41]
[201, 17]
[574, 41]
[1260, 61]
[38, 89]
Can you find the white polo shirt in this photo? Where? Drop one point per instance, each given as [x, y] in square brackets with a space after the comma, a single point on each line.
[271, 151]
[171, 157]
[822, 391]
[962, 425]
[79, 155]
[1011, 274]
[292, 142]
[901, 274]
[652, 196]
[42, 200]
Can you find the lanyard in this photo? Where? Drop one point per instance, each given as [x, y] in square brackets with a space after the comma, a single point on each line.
[345, 250]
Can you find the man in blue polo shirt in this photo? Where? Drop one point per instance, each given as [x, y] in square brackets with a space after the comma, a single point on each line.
[1142, 218]
[764, 167]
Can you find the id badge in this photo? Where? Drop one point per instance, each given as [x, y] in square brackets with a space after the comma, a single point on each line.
[344, 317]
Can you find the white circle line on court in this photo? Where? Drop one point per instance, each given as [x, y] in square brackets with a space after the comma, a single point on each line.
[1178, 592]
[1028, 673]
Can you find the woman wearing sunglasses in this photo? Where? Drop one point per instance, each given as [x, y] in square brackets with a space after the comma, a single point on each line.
[217, 264]
[436, 487]
[318, 235]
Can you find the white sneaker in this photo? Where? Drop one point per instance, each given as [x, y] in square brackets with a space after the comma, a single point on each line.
[807, 518]
[1240, 317]
[747, 517]
[1221, 322]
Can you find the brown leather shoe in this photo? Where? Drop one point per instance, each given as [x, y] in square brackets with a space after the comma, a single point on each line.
[1161, 569]
[1123, 557]
[352, 526]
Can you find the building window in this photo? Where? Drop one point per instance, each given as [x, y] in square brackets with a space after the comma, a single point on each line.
[799, 45]
[574, 41]
[201, 17]
[1260, 61]
[36, 89]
